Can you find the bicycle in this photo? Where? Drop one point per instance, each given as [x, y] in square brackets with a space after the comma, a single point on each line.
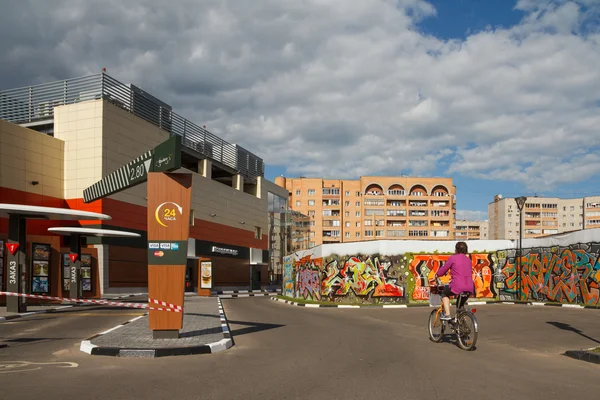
[464, 324]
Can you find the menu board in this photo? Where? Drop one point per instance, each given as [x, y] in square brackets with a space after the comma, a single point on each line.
[40, 270]
[86, 272]
[1, 264]
[66, 264]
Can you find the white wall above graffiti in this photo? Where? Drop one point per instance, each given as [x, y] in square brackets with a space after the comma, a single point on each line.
[391, 247]
[564, 239]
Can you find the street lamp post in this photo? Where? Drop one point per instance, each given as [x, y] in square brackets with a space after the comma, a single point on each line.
[520, 204]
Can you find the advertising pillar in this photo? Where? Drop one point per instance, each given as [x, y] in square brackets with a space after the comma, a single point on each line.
[15, 262]
[169, 199]
[75, 267]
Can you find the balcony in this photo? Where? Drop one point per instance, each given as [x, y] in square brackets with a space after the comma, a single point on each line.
[418, 213]
[440, 203]
[396, 233]
[396, 193]
[396, 213]
[396, 223]
[417, 203]
[418, 224]
[396, 203]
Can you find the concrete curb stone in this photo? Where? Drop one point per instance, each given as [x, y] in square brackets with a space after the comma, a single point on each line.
[584, 355]
[214, 347]
[315, 305]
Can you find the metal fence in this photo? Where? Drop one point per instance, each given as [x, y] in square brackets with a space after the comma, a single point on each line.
[36, 103]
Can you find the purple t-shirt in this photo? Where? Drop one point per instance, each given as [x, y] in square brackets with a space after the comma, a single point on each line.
[462, 273]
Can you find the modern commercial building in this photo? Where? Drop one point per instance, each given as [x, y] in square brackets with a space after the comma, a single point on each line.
[59, 138]
[471, 230]
[542, 216]
[374, 207]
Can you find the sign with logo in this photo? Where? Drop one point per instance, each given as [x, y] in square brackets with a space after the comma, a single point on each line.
[206, 274]
[212, 249]
[73, 257]
[224, 250]
[167, 252]
[12, 248]
[169, 200]
[167, 212]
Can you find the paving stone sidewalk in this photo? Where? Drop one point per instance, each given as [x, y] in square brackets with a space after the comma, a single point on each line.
[202, 326]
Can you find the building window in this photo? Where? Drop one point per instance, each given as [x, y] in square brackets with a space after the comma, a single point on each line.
[311, 213]
[298, 203]
[311, 192]
[358, 224]
[357, 194]
[347, 193]
[347, 213]
[347, 234]
[357, 234]
[257, 232]
[297, 193]
[379, 233]
[357, 204]
[347, 204]
[358, 213]
[347, 224]
[368, 233]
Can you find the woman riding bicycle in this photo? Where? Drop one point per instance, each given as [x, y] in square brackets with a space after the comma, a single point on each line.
[461, 271]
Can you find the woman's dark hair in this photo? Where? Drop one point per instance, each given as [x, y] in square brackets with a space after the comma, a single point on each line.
[461, 248]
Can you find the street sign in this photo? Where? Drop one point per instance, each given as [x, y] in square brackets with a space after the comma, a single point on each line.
[163, 158]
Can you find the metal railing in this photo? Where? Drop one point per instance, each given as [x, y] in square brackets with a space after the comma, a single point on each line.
[33, 104]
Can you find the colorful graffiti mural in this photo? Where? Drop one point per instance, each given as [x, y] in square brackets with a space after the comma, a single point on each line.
[288, 277]
[425, 266]
[368, 278]
[559, 274]
[568, 274]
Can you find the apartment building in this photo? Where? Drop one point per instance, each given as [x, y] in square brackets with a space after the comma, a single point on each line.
[471, 230]
[542, 216]
[374, 207]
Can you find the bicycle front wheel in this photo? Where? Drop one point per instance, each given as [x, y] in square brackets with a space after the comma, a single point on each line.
[466, 330]
[436, 326]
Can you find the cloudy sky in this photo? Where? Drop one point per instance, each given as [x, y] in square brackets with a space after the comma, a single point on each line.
[501, 95]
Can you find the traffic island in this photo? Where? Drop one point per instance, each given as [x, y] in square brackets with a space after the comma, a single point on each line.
[590, 355]
[205, 330]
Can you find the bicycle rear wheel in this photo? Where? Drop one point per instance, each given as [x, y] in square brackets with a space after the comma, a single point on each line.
[466, 330]
[436, 326]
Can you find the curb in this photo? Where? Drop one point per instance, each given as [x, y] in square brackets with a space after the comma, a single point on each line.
[584, 355]
[237, 296]
[474, 303]
[88, 347]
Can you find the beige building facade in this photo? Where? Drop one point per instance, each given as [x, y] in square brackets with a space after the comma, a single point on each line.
[542, 216]
[374, 207]
[57, 142]
[471, 230]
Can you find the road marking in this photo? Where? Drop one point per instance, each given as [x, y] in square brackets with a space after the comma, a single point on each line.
[7, 367]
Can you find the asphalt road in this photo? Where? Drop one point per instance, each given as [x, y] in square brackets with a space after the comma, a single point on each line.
[287, 352]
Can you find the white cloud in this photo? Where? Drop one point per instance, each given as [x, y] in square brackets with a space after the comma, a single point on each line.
[471, 215]
[328, 89]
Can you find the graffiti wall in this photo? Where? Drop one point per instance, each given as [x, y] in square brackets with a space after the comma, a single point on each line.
[376, 279]
[288, 277]
[424, 267]
[565, 274]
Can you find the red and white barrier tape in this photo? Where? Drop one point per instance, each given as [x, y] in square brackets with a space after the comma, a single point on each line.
[171, 307]
[162, 303]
